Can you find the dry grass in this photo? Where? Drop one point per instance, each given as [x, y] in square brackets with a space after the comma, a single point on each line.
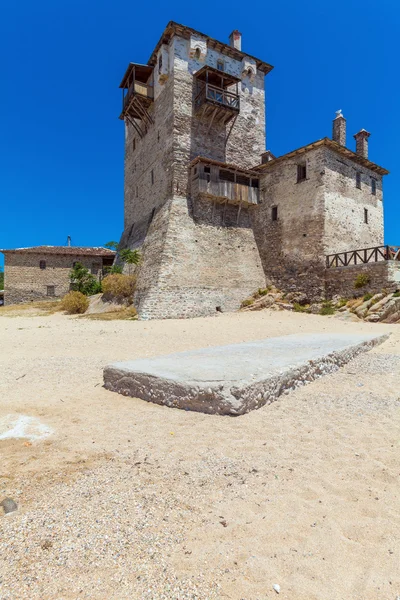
[75, 303]
[119, 286]
[31, 309]
[128, 314]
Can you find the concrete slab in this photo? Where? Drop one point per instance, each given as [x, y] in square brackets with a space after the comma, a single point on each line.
[235, 379]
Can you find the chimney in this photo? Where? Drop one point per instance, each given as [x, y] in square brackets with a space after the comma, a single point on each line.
[339, 129]
[68, 240]
[235, 40]
[362, 143]
[266, 157]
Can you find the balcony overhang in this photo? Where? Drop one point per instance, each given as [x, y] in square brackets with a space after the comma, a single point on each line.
[216, 77]
[138, 72]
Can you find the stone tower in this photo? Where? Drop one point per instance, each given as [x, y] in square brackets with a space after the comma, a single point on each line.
[194, 128]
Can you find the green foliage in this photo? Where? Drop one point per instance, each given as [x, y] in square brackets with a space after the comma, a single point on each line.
[342, 302]
[119, 286]
[247, 302]
[361, 280]
[112, 245]
[327, 309]
[367, 297]
[114, 269]
[1, 279]
[263, 291]
[83, 281]
[396, 294]
[130, 257]
[75, 303]
[299, 308]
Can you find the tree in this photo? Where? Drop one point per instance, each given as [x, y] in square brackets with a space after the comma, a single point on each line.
[1, 278]
[83, 281]
[112, 246]
[130, 257]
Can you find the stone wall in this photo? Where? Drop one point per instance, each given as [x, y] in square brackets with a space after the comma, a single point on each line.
[291, 247]
[25, 281]
[383, 275]
[199, 268]
[345, 227]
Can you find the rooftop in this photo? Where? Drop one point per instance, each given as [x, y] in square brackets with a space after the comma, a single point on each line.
[71, 250]
[330, 144]
[174, 28]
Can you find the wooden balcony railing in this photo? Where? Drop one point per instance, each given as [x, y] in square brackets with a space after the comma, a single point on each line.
[363, 256]
[235, 193]
[219, 96]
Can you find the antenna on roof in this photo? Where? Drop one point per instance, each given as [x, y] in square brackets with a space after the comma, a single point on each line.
[68, 240]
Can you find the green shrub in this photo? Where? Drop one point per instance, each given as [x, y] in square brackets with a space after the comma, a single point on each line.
[75, 303]
[327, 309]
[114, 269]
[362, 280]
[83, 281]
[396, 294]
[119, 286]
[263, 291]
[342, 302]
[367, 297]
[247, 302]
[299, 308]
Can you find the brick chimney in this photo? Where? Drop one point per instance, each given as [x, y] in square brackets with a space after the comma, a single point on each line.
[362, 143]
[235, 39]
[339, 129]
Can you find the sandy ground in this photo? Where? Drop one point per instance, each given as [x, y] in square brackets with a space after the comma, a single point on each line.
[126, 499]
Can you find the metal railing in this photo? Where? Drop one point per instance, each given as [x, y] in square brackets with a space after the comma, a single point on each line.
[217, 95]
[363, 256]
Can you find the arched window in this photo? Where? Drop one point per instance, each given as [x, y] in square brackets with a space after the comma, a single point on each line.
[220, 65]
[197, 53]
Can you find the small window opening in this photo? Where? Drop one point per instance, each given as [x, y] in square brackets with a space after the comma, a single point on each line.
[274, 213]
[51, 290]
[358, 180]
[365, 215]
[301, 172]
[160, 63]
[134, 144]
[42, 264]
[220, 65]
[158, 136]
[152, 177]
[373, 186]
[249, 72]
[197, 53]
[152, 215]
[207, 170]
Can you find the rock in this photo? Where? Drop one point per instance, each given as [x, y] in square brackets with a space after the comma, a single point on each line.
[379, 305]
[393, 318]
[347, 316]
[285, 306]
[389, 308]
[101, 304]
[9, 505]
[298, 297]
[315, 308]
[362, 310]
[374, 318]
[276, 587]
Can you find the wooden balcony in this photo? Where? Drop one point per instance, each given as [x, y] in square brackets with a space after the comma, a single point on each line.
[137, 97]
[216, 95]
[224, 184]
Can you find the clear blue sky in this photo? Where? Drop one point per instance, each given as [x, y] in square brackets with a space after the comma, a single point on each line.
[61, 142]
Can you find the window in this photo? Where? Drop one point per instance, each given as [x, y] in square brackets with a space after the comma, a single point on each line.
[134, 144]
[42, 264]
[160, 63]
[197, 53]
[220, 65]
[365, 215]
[51, 290]
[358, 180]
[152, 177]
[207, 173]
[373, 186]
[152, 215]
[274, 213]
[301, 172]
[207, 169]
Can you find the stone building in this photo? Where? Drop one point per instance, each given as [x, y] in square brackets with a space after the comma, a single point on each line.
[215, 215]
[42, 272]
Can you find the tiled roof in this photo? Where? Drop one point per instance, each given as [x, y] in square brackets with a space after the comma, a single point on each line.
[71, 250]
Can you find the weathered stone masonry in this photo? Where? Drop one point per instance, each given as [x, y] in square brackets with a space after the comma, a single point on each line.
[208, 249]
